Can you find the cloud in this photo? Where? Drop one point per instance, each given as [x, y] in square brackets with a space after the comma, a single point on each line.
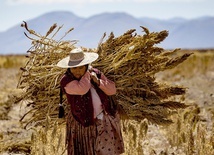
[94, 1]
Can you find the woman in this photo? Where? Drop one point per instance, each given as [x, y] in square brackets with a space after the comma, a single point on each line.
[93, 126]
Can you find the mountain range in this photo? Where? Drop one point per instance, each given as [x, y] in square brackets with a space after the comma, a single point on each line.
[183, 33]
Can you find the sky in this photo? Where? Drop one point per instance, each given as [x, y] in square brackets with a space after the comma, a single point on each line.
[13, 12]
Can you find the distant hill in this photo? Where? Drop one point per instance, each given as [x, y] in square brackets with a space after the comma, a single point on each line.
[189, 34]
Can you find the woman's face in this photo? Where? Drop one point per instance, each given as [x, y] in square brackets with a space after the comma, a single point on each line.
[78, 72]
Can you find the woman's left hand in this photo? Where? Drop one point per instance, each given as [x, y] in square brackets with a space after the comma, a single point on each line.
[95, 78]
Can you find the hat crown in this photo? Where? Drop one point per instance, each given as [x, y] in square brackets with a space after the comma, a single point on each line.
[76, 55]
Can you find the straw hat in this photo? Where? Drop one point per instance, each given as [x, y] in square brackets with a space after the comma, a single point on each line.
[77, 58]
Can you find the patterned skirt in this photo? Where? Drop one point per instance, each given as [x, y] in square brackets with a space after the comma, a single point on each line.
[102, 138]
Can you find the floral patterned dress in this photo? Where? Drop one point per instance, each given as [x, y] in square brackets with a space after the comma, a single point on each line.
[102, 138]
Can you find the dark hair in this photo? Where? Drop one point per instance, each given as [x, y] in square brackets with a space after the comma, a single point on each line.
[86, 66]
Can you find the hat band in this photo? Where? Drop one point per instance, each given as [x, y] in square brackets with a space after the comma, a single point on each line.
[74, 63]
[80, 59]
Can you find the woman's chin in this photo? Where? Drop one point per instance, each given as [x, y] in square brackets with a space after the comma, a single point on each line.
[77, 76]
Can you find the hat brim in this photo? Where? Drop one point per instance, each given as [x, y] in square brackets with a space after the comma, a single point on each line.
[89, 57]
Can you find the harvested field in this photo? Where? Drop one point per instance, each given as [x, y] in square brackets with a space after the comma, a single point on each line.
[191, 133]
